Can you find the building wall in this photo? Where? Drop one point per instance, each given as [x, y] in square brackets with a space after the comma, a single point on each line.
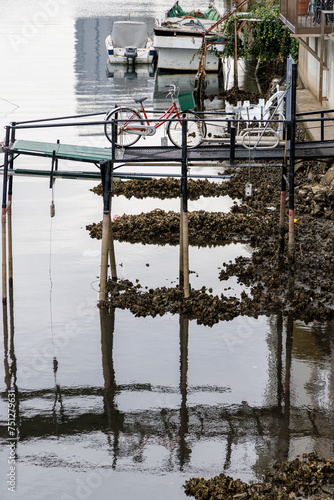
[308, 69]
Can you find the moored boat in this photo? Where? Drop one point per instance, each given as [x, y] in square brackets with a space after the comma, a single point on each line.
[129, 43]
[179, 38]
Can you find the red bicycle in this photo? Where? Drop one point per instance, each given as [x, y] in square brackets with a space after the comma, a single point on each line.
[131, 124]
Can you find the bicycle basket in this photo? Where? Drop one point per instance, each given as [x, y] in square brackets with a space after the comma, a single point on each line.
[186, 101]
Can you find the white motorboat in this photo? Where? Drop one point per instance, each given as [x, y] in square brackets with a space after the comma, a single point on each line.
[129, 43]
[180, 36]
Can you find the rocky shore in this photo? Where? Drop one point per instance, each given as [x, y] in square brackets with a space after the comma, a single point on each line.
[306, 294]
[305, 477]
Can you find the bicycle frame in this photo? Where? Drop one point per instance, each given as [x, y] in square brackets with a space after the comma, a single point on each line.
[149, 130]
[163, 117]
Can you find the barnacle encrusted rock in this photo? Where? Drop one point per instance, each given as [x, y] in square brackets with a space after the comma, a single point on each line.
[306, 477]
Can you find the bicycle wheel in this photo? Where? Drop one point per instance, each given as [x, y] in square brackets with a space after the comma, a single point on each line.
[196, 130]
[124, 137]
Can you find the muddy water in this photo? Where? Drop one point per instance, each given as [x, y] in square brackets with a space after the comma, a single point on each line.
[113, 406]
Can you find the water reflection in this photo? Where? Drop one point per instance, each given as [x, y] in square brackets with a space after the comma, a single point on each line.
[279, 428]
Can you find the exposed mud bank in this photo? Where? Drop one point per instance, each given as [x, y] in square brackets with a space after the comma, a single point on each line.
[305, 477]
[306, 292]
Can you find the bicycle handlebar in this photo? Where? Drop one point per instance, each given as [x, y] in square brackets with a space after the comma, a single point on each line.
[173, 89]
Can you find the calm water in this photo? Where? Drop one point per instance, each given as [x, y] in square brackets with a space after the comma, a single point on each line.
[133, 406]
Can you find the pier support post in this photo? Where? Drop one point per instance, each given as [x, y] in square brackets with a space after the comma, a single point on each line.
[181, 275]
[184, 194]
[111, 248]
[281, 227]
[107, 235]
[106, 184]
[9, 221]
[4, 218]
[291, 241]
[111, 237]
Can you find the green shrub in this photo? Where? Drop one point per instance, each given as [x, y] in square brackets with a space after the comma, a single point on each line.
[264, 36]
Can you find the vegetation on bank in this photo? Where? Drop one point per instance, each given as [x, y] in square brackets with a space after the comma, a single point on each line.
[262, 36]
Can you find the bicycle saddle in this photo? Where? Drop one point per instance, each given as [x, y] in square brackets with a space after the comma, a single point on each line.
[140, 100]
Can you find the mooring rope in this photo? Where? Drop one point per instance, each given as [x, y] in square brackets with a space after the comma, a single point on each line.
[16, 106]
[52, 214]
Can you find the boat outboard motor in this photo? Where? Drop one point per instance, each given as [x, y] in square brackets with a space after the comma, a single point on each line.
[130, 53]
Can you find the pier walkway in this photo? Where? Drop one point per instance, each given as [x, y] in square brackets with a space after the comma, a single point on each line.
[313, 150]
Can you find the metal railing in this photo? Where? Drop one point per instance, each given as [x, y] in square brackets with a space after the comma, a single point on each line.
[304, 16]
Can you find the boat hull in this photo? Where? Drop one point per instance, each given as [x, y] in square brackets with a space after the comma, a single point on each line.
[117, 55]
[183, 54]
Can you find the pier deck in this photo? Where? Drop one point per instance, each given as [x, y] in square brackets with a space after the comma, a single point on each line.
[315, 150]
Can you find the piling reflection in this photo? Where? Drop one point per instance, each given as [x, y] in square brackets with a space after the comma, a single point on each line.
[283, 392]
[184, 450]
[58, 414]
[114, 417]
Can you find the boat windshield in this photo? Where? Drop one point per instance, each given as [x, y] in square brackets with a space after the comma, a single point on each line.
[129, 34]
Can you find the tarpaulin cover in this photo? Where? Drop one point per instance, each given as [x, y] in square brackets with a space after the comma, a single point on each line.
[177, 11]
[129, 34]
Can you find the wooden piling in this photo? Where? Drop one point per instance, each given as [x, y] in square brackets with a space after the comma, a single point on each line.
[104, 259]
[3, 220]
[105, 174]
[186, 287]
[291, 240]
[9, 222]
[185, 243]
[10, 247]
[281, 227]
[4, 257]
[112, 258]
[181, 270]
[111, 236]
[107, 235]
